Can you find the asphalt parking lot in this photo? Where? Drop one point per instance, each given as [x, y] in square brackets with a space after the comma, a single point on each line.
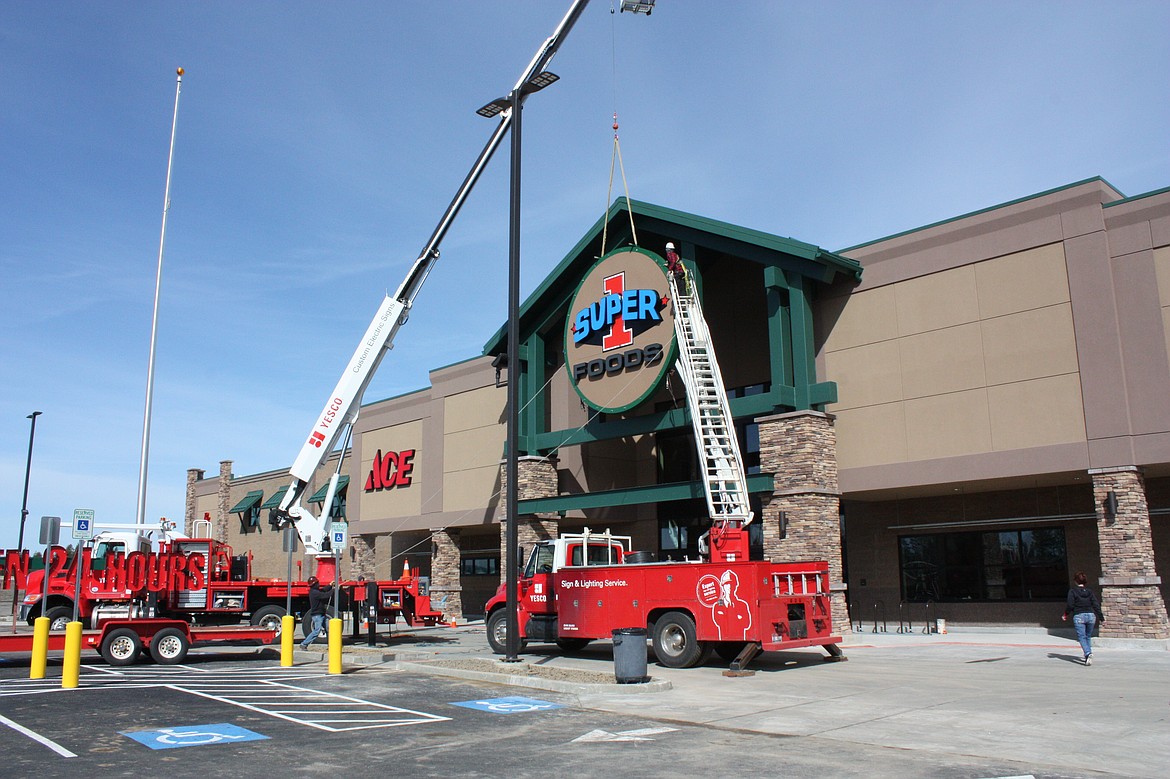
[992, 705]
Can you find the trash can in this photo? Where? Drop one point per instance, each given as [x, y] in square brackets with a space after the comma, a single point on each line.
[629, 656]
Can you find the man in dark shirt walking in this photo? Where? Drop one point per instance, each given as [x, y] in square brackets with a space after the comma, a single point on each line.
[319, 598]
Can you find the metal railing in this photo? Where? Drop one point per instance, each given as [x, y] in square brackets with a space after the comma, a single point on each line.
[877, 616]
[906, 617]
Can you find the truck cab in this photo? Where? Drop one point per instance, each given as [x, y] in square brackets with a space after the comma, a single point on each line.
[537, 593]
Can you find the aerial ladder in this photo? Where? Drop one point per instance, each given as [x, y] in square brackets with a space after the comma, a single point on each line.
[341, 410]
[720, 461]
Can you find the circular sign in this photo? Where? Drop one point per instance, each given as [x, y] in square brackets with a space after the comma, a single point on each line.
[619, 338]
[707, 590]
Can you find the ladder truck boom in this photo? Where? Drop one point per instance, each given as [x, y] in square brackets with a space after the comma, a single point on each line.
[724, 480]
[341, 410]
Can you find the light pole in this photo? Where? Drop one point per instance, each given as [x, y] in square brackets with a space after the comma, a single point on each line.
[24, 501]
[27, 470]
[535, 78]
[513, 103]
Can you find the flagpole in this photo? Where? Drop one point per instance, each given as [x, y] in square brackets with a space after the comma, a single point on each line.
[140, 515]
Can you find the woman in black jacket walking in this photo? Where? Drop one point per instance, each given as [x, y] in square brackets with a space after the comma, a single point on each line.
[1086, 610]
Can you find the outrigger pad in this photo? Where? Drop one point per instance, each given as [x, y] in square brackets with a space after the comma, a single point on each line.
[835, 654]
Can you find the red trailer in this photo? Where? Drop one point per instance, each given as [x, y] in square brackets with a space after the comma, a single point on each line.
[124, 641]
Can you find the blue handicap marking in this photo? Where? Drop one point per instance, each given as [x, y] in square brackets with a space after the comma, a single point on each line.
[510, 705]
[193, 736]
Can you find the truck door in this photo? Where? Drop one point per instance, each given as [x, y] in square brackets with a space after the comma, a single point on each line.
[536, 586]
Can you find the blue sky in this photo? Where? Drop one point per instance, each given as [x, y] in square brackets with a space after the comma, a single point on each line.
[318, 144]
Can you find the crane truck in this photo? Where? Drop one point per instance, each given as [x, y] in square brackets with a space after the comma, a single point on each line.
[584, 586]
[116, 588]
[131, 574]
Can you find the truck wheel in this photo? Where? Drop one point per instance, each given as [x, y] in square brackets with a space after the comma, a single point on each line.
[270, 617]
[169, 646]
[572, 644]
[121, 646]
[675, 644]
[497, 631]
[59, 617]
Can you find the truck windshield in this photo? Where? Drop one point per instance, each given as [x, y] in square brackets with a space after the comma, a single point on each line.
[541, 560]
[102, 552]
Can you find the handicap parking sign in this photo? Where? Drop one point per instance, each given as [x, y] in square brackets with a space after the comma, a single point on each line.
[510, 705]
[83, 524]
[193, 736]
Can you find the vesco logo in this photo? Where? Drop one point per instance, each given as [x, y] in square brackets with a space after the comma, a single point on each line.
[620, 330]
[316, 439]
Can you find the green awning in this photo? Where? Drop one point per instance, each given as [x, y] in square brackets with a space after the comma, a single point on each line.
[274, 501]
[249, 500]
[319, 495]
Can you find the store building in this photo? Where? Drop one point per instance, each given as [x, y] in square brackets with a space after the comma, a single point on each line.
[958, 417]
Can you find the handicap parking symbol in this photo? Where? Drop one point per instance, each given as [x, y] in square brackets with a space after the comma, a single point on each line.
[511, 705]
[193, 736]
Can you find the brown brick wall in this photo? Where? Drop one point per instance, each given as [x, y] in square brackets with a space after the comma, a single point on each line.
[536, 477]
[1131, 596]
[364, 557]
[873, 529]
[800, 448]
[224, 497]
[193, 476]
[446, 591]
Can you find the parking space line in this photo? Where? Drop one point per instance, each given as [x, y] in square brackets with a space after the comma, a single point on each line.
[262, 690]
[37, 737]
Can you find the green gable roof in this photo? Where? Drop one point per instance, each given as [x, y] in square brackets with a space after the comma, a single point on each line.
[766, 248]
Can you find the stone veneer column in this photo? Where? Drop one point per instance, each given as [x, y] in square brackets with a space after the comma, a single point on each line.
[536, 477]
[193, 476]
[363, 557]
[800, 448]
[1130, 594]
[220, 528]
[446, 588]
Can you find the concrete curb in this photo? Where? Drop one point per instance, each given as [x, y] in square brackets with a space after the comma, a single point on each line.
[536, 682]
[421, 665]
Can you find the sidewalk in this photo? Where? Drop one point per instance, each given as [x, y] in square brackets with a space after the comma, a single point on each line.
[1020, 695]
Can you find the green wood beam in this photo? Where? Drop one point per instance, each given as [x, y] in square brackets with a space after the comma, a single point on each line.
[804, 370]
[633, 496]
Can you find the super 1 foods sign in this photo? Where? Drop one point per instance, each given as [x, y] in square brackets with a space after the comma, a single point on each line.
[619, 339]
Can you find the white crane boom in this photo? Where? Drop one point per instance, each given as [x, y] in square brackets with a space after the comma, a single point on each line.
[341, 410]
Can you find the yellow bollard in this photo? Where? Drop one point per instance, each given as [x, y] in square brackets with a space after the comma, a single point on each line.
[335, 646]
[40, 653]
[287, 622]
[71, 664]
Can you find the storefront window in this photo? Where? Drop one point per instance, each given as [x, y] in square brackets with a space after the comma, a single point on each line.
[480, 566]
[1011, 565]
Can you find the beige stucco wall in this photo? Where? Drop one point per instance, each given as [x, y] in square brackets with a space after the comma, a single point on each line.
[973, 359]
[1162, 269]
[401, 500]
[473, 443]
